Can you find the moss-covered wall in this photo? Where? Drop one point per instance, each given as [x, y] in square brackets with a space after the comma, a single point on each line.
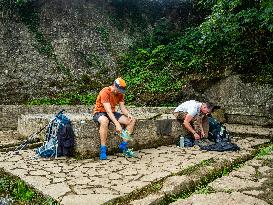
[60, 46]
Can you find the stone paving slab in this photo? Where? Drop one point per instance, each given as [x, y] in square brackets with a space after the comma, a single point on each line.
[91, 181]
[252, 184]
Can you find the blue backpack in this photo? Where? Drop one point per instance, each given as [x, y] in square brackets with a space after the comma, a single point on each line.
[59, 139]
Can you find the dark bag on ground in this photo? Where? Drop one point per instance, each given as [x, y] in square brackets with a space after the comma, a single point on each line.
[59, 139]
[221, 147]
[219, 135]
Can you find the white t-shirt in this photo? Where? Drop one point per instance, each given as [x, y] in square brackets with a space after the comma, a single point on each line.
[192, 107]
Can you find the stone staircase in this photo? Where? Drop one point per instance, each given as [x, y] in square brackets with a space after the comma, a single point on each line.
[249, 130]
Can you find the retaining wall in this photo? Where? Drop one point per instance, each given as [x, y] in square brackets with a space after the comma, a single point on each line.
[151, 130]
[9, 114]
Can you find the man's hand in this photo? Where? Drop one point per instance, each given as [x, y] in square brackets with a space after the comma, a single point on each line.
[118, 128]
[196, 136]
[130, 116]
[202, 134]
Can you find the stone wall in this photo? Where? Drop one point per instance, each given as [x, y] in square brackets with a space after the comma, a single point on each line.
[9, 114]
[150, 130]
[60, 44]
[244, 103]
[241, 103]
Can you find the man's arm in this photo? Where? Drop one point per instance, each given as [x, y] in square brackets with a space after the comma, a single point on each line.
[124, 110]
[202, 129]
[108, 109]
[188, 126]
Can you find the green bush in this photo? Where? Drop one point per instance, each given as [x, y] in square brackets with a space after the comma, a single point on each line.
[66, 99]
[236, 36]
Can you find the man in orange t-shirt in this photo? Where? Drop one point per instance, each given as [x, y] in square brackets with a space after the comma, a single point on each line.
[104, 112]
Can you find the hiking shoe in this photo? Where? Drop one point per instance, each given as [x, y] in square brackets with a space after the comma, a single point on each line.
[103, 155]
[129, 153]
[126, 135]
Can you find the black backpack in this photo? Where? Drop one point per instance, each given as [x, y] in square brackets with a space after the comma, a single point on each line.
[59, 139]
[221, 138]
[217, 132]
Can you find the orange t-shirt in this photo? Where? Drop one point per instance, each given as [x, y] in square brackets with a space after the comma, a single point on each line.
[106, 96]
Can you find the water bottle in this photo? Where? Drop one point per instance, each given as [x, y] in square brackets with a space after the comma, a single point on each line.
[181, 144]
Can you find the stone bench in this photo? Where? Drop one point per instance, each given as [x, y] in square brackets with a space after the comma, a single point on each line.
[151, 130]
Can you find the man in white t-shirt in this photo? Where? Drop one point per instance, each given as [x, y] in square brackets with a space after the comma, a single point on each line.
[193, 115]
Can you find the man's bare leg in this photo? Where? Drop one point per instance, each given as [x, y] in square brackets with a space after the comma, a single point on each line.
[128, 123]
[104, 122]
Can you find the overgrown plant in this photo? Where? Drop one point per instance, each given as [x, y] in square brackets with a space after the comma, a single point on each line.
[66, 99]
[20, 192]
[236, 36]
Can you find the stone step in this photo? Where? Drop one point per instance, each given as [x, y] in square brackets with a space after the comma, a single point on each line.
[250, 184]
[246, 130]
[13, 146]
[9, 135]
[249, 120]
[11, 139]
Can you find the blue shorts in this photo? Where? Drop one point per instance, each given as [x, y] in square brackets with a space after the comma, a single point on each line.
[98, 114]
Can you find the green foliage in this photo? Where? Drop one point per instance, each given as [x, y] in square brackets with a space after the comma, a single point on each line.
[149, 76]
[265, 151]
[203, 189]
[66, 99]
[20, 192]
[238, 32]
[236, 36]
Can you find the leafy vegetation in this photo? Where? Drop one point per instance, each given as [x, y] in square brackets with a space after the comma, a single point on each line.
[265, 151]
[20, 192]
[236, 36]
[66, 99]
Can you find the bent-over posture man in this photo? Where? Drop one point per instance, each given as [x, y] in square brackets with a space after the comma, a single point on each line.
[193, 115]
[104, 112]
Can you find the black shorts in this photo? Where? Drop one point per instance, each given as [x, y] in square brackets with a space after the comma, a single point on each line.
[98, 114]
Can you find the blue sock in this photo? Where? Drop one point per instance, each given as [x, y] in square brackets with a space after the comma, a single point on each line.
[123, 146]
[103, 155]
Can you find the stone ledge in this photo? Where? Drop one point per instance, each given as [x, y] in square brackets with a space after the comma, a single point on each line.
[250, 130]
[264, 121]
[152, 130]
